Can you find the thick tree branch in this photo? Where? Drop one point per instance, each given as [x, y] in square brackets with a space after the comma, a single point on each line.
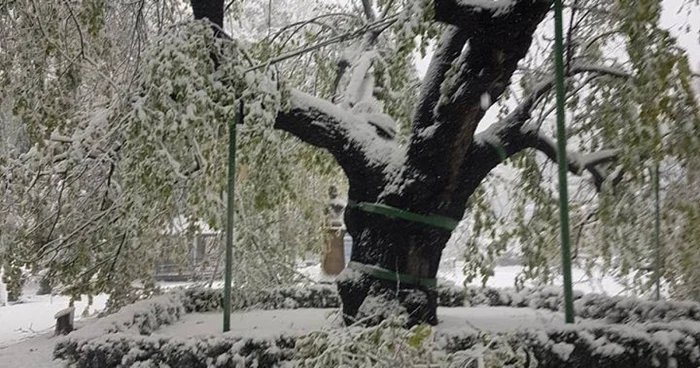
[577, 163]
[354, 139]
[496, 144]
[210, 9]
[509, 136]
[473, 63]
[471, 14]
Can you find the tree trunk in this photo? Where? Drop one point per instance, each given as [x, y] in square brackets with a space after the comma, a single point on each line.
[408, 248]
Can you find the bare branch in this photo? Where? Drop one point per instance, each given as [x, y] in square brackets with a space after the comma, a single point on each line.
[522, 113]
[381, 24]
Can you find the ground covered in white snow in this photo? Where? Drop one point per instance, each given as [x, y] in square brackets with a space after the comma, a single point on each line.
[26, 338]
[34, 314]
[293, 322]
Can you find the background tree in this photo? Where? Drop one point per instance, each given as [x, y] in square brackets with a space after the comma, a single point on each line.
[75, 206]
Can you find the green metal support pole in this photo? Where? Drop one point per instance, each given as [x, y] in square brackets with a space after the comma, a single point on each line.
[563, 163]
[657, 236]
[229, 217]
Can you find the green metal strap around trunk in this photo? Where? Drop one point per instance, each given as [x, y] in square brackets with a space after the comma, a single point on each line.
[500, 150]
[388, 211]
[389, 275]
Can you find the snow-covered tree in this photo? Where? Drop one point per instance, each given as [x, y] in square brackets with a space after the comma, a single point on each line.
[86, 199]
[126, 108]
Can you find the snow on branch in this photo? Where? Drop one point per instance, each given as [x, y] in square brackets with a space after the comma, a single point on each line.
[473, 64]
[475, 14]
[577, 162]
[496, 144]
[460, 12]
[358, 141]
[361, 82]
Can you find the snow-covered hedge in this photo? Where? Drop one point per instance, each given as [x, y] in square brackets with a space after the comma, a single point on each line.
[669, 334]
[673, 345]
[586, 345]
[292, 297]
[140, 318]
[594, 306]
[128, 350]
[591, 345]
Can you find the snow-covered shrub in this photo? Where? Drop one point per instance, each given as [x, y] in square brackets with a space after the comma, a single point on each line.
[451, 295]
[613, 309]
[624, 310]
[586, 345]
[201, 299]
[675, 344]
[595, 306]
[141, 318]
[126, 350]
[120, 337]
[312, 296]
[292, 297]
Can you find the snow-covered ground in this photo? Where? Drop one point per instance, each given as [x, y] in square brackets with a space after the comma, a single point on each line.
[271, 323]
[35, 314]
[26, 328]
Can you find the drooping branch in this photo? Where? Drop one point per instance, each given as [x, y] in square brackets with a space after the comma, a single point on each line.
[510, 136]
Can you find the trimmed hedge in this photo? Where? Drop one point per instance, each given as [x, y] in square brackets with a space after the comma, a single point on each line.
[141, 318]
[575, 346]
[120, 340]
[614, 309]
[127, 350]
[616, 346]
